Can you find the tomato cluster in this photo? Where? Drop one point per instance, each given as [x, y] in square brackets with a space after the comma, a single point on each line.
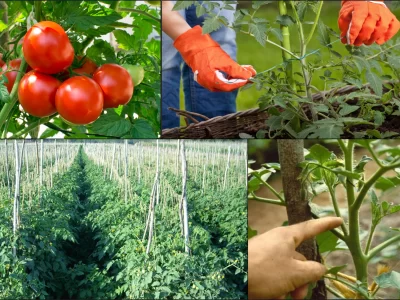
[82, 96]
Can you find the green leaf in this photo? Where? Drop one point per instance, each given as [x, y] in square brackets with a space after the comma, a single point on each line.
[320, 153]
[101, 52]
[379, 118]
[359, 168]
[141, 129]
[285, 20]
[277, 33]
[326, 241]
[323, 34]
[211, 24]
[387, 280]
[111, 124]
[259, 32]
[98, 17]
[125, 41]
[48, 133]
[347, 109]
[375, 82]
[4, 95]
[335, 270]
[183, 4]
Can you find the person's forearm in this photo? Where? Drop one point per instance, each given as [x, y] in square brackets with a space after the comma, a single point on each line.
[173, 23]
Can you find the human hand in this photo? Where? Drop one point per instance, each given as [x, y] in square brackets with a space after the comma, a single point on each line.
[207, 60]
[276, 268]
[366, 22]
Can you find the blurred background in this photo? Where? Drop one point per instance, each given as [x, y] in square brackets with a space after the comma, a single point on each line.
[264, 217]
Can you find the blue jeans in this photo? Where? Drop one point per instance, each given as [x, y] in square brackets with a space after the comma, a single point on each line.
[197, 98]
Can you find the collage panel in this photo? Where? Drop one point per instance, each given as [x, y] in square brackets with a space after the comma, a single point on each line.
[349, 189]
[80, 69]
[126, 219]
[324, 69]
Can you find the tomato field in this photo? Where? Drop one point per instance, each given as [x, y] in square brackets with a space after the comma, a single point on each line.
[131, 219]
[80, 69]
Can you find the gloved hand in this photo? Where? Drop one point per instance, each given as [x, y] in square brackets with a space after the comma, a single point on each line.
[366, 22]
[207, 60]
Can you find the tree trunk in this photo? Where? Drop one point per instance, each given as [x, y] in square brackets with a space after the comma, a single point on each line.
[291, 153]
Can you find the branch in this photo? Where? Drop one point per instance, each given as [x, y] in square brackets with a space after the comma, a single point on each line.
[32, 126]
[265, 200]
[382, 246]
[134, 10]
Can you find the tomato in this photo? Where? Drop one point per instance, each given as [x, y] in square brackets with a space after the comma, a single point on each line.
[2, 63]
[37, 92]
[116, 83]
[47, 48]
[88, 67]
[12, 73]
[137, 73]
[79, 100]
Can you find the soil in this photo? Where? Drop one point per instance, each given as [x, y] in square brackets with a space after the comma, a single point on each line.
[263, 217]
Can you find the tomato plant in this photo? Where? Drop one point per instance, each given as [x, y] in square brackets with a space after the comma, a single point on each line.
[69, 38]
[37, 92]
[319, 88]
[116, 83]
[79, 100]
[326, 172]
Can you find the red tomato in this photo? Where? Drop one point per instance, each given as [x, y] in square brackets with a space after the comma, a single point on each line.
[37, 92]
[11, 75]
[79, 100]
[116, 83]
[88, 67]
[2, 63]
[47, 48]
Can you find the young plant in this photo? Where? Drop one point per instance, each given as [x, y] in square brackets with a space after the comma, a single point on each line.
[307, 84]
[323, 172]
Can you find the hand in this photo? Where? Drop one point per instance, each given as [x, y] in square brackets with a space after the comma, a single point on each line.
[366, 22]
[207, 60]
[276, 268]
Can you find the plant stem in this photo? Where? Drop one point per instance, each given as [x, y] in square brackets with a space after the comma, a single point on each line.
[32, 126]
[139, 12]
[270, 188]
[382, 246]
[336, 207]
[357, 203]
[265, 200]
[370, 236]
[374, 156]
[335, 293]
[38, 10]
[303, 61]
[352, 286]
[5, 111]
[311, 34]
[286, 44]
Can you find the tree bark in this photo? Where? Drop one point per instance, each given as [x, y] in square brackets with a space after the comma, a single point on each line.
[291, 153]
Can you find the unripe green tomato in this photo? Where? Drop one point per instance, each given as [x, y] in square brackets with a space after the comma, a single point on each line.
[154, 3]
[136, 72]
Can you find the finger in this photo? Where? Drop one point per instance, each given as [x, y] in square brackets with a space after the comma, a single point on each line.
[251, 69]
[227, 85]
[299, 256]
[310, 271]
[344, 22]
[300, 293]
[356, 24]
[394, 27]
[307, 230]
[370, 25]
[382, 27]
[234, 70]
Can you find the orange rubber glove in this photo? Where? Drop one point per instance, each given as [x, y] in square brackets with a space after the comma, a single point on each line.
[366, 22]
[207, 61]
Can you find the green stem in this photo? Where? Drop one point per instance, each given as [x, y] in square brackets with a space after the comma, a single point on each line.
[311, 34]
[352, 286]
[287, 45]
[334, 292]
[265, 200]
[270, 188]
[32, 126]
[370, 236]
[336, 207]
[139, 12]
[374, 156]
[114, 5]
[382, 246]
[303, 61]
[5, 111]
[38, 10]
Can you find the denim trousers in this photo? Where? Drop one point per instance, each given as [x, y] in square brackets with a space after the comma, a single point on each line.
[197, 98]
